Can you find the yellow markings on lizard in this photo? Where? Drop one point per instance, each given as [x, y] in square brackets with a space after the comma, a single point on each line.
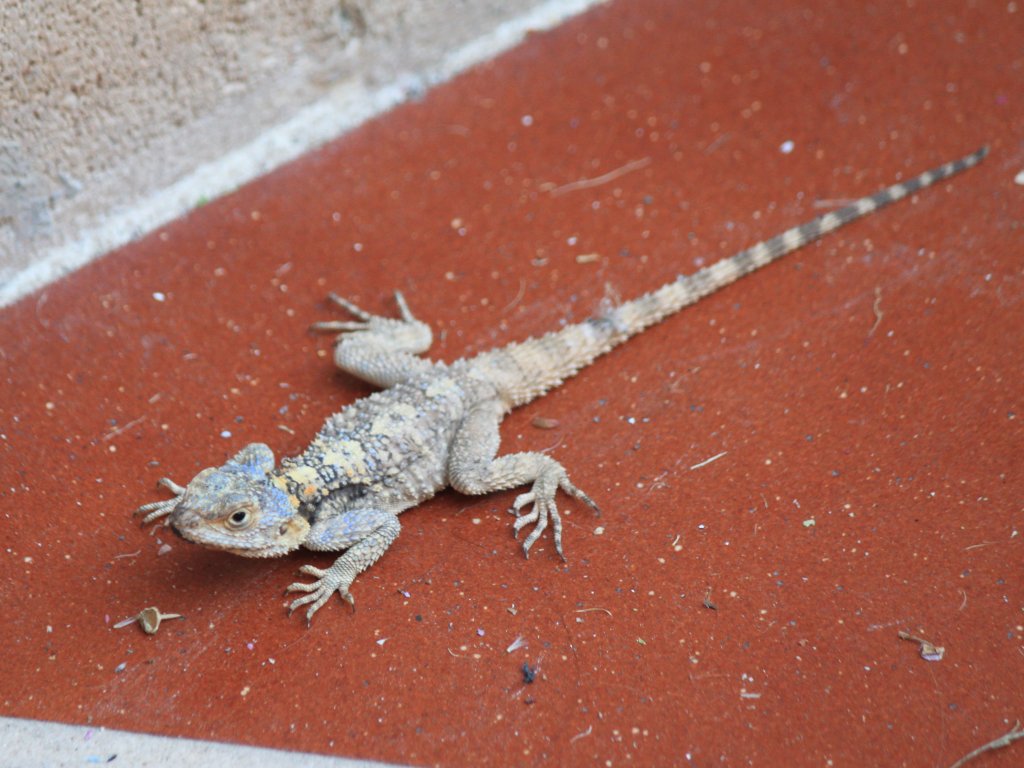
[302, 475]
[349, 457]
[281, 482]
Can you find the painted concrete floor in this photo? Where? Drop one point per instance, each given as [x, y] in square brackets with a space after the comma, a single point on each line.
[861, 401]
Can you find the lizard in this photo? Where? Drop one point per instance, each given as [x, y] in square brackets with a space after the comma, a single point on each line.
[435, 425]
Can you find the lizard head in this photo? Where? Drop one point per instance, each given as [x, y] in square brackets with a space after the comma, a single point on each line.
[236, 508]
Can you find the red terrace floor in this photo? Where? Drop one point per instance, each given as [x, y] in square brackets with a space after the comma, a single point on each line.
[863, 400]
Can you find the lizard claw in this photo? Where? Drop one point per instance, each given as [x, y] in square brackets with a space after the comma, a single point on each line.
[542, 497]
[365, 321]
[543, 510]
[318, 592]
[157, 509]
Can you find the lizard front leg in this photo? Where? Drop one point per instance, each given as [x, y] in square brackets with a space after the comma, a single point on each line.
[380, 350]
[474, 469]
[364, 534]
[157, 509]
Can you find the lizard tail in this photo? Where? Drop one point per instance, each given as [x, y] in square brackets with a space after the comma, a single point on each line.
[525, 370]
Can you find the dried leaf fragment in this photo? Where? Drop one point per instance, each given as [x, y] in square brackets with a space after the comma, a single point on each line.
[542, 422]
[149, 619]
[929, 651]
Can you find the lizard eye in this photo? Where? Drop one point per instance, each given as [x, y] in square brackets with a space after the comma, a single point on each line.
[239, 519]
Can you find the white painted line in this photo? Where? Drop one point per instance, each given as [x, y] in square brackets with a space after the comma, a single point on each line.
[37, 744]
[341, 110]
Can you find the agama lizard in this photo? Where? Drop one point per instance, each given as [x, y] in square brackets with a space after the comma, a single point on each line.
[436, 425]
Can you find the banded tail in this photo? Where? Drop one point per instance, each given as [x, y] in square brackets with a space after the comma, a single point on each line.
[526, 370]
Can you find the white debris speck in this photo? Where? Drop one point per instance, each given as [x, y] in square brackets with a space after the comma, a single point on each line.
[381, 641]
[527, 120]
[518, 643]
[1019, 178]
[157, 296]
[809, 522]
[786, 147]
[225, 434]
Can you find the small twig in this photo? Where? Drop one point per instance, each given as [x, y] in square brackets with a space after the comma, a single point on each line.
[136, 553]
[1005, 740]
[115, 432]
[519, 296]
[876, 308]
[657, 483]
[591, 610]
[582, 734]
[704, 463]
[633, 165]
[979, 546]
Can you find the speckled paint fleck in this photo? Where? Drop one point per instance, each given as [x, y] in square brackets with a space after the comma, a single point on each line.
[871, 383]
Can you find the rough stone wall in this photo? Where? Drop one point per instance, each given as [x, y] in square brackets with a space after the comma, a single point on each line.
[104, 101]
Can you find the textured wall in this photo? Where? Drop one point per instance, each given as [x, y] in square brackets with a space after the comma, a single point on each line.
[102, 103]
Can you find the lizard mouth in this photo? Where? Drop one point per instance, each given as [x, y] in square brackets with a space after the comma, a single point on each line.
[257, 553]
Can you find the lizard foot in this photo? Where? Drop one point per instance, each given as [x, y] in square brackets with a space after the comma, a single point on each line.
[366, 321]
[157, 509]
[542, 496]
[329, 581]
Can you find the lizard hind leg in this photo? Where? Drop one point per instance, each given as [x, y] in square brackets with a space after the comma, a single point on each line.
[475, 469]
[381, 350]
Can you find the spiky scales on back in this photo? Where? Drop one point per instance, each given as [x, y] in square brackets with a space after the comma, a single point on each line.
[437, 425]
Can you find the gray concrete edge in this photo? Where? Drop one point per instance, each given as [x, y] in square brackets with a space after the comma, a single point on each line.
[38, 744]
[341, 110]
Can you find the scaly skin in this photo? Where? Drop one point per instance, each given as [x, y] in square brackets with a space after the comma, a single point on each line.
[435, 425]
